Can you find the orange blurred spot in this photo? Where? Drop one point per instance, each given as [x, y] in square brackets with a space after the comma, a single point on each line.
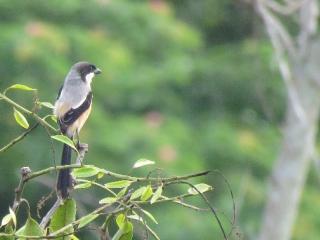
[35, 29]
[167, 153]
[154, 119]
[159, 6]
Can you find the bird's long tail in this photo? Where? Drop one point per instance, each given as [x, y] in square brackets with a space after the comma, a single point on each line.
[64, 179]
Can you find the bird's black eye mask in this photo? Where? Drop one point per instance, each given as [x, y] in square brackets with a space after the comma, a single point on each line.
[85, 70]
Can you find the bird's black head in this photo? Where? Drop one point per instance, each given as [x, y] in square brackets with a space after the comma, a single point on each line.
[86, 70]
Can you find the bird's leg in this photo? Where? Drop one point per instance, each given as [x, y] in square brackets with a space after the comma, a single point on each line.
[82, 149]
[81, 146]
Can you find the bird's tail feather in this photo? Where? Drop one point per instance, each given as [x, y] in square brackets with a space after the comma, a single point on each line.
[64, 178]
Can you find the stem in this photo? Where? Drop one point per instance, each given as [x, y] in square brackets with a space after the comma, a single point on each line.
[50, 169]
[98, 210]
[209, 205]
[145, 179]
[98, 185]
[35, 116]
[18, 191]
[19, 138]
[116, 175]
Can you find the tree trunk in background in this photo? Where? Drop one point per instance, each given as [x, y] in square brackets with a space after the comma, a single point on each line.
[290, 170]
[299, 60]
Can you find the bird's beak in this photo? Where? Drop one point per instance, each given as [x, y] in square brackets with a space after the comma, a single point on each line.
[97, 71]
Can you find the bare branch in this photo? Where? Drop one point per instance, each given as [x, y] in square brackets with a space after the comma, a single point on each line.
[279, 38]
[288, 9]
[45, 220]
[19, 190]
[308, 20]
[209, 205]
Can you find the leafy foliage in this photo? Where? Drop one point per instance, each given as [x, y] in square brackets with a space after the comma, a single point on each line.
[63, 216]
[31, 228]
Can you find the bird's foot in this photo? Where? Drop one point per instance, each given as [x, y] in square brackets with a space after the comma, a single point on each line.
[82, 149]
[73, 181]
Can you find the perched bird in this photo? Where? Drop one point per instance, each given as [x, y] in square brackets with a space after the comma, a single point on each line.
[72, 108]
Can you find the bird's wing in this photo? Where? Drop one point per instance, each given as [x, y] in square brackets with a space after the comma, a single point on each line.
[59, 93]
[74, 113]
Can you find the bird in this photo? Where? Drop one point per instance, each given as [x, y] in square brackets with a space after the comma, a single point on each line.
[72, 109]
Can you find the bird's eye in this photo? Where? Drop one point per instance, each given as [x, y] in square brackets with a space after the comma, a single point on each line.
[92, 68]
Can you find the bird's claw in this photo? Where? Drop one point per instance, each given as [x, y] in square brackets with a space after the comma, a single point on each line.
[83, 147]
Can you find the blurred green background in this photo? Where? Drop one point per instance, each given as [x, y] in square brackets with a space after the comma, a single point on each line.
[189, 84]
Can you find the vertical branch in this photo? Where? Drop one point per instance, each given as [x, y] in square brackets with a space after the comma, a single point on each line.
[25, 171]
[282, 43]
[308, 21]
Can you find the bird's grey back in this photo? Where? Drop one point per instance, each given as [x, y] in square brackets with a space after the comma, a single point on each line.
[74, 90]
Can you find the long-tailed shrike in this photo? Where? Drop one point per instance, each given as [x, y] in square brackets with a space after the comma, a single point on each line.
[72, 108]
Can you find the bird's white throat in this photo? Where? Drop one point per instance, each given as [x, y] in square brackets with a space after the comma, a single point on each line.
[89, 78]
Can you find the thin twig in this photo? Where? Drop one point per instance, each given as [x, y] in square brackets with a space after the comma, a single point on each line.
[19, 190]
[98, 185]
[116, 175]
[209, 205]
[145, 179]
[45, 220]
[19, 138]
[232, 197]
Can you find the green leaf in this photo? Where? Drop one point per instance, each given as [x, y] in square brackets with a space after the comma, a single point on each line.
[147, 193]
[21, 87]
[46, 104]
[137, 193]
[73, 237]
[13, 217]
[122, 192]
[65, 140]
[156, 195]
[64, 215]
[125, 233]
[118, 184]
[20, 119]
[108, 200]
[128, 231]
[85, 171]
[120, 220]
[149, 215]
[100, 175]
[142, 162]
[135, 217]
[5, 220]
[87, 219]
[54, 118]
[202, 187]
[9, 230]
[83, 185]
[31, 228]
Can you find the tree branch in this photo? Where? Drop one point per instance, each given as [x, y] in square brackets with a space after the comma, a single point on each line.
[282, 43]
[287, 9]
[34, 115]
[19, 138]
